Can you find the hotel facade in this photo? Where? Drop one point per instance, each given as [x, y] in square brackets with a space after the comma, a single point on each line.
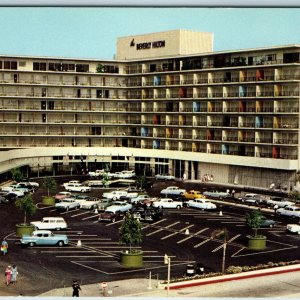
[167, 103]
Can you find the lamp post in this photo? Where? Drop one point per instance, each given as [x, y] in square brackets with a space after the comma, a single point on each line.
[167, 261]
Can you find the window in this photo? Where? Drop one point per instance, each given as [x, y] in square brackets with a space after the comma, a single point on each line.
[39, 66]
[10, 65]
[54, 66]
[82, 68]
[68, 67]
[22, 63]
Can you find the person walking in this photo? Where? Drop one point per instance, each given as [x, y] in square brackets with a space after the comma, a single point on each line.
[14, 274]
[4, 247]
[76, 288]
[8, 275]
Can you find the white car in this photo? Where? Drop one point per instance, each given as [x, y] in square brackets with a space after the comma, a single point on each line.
[201, 204]
[293, 228]
[173, 190]
[167, 203]
[115, 195]
[119, 206]
[289, 211]
[67, 204]
[140, 198]
[164, 177]
[279, 202]
[124, 174]
[216, 194]
[97, 173]
[77, 187]
[56, 223]
[10, 189]
[91, 203]
[29, 182]
[70, 182]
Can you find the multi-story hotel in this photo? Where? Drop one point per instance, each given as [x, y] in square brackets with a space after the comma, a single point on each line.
[166, 104]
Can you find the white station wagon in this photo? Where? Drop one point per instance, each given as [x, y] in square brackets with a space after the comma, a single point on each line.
[50, 223]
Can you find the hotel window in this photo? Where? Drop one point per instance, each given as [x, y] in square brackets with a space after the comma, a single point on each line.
[10, 65]
[82, 68]
[0, 64]
[54, 67]
[39, 66]
[68, 67]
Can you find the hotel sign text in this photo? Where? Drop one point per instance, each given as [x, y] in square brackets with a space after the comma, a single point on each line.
[149, 45]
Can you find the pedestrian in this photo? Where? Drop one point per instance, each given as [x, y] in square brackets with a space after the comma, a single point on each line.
[76, 288]
[4, 247]
[232, 193]
[8, 275]
[14, 274]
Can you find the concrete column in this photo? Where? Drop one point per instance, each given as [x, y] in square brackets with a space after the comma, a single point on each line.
[186, 169]
[192, 171]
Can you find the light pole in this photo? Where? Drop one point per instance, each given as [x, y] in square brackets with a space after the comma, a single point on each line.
[167, 261]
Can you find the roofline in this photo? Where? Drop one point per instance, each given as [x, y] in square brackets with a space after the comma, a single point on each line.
[150, 58]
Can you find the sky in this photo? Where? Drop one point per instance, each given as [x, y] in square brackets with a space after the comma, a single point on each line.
[91, 32]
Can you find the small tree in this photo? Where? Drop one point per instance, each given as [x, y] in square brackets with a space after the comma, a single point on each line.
[26, 205]
[16, 174]
[50, 184]
[254, 220]
[131, 231]
[141, 180]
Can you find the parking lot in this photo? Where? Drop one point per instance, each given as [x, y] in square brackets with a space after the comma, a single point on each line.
[186, 235]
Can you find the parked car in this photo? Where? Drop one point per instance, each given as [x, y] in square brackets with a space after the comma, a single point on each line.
[267, 223]
[96, 173]
[67, 204]
[201, 204]
[51, 223]
[192, 269]
[25, 186]
[77, 187]
[253, 200]
[172, 190]
[110, 216]
[164, 177]
[124, 174]
[193, 195]
[91, 203]
[119, 206]
[216, 194]
[151, 214]
[3, 200]
[31, 182]
[115, 195]
[104, 203]
[140, 198]
[289, 211]
[9, 196]
[62, 195]
[44, 238]
[279, 202]
[293, 228]
[167, 203]
[10, 189]
[70, 182]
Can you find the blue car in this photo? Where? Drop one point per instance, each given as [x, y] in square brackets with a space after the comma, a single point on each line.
[44, 238]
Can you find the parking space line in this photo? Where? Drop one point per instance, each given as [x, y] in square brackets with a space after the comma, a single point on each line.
[205, 241]
[233, 222]
[68, 211]
[178, 232]
[114, 223]
[161, 229]
[90, 217]
[192, 235]
[230, 240]
[83, 213]
[241, 225]
[81, 256]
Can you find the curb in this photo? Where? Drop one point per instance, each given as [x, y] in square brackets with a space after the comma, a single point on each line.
[231, 277]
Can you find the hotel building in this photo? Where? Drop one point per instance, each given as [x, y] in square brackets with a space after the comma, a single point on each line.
[167, 103]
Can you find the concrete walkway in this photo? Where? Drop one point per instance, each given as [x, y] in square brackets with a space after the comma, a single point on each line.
[273, 282]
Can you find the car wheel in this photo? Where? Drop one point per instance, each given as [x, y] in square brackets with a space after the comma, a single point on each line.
[178, 206]
[187, 205]
[114, 198]
[67, 208]
[57, 229]
[31, 244]
[60, 243]
[271, 226]
[113, 220]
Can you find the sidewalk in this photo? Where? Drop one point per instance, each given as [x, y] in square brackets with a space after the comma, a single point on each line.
[280, 281]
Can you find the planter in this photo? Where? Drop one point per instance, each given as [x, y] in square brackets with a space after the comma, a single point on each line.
[257, 243]
[48, 200]
[22, 229]
[131, 259]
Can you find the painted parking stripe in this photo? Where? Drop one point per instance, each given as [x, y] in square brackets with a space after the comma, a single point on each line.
[205, 241]
[83, 256]
[192, 235]
[113, 223]
[233, 222]
[69, 211]
[178, 232]
[90, 217]
[82, 213]
[161, 229]
[221, 247]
